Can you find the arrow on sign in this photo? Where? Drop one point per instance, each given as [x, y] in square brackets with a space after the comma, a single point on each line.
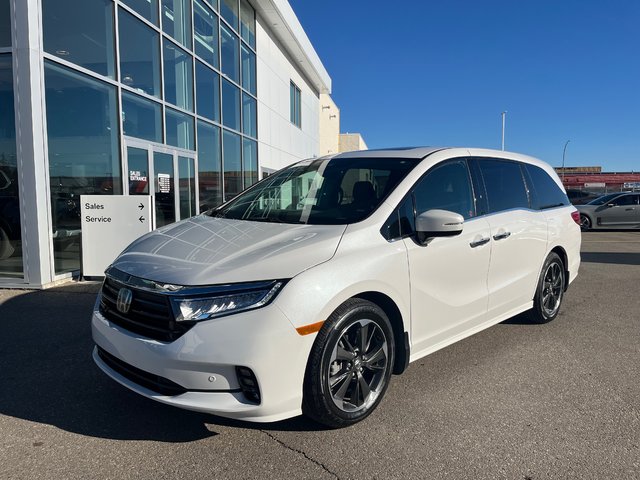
[141, 206]
[141, 219]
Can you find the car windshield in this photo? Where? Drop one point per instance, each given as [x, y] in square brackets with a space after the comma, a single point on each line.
[603, 199]
[334, 191]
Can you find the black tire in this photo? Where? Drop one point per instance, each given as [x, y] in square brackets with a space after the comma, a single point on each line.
[550, 290]
[359, 365]
[585, 222]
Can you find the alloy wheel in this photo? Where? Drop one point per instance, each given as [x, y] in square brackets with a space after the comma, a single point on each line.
[552, 289]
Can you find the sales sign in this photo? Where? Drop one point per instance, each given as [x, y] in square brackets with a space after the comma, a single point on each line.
[109, 224]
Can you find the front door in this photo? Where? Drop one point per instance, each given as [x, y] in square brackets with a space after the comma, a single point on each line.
[166, 173]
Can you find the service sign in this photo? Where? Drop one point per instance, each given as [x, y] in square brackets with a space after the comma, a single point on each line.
[109, 224]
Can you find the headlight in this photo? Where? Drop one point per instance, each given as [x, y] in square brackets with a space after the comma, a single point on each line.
[246, 297]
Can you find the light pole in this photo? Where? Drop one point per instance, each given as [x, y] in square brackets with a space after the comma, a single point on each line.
[564, 150]
[504, 114]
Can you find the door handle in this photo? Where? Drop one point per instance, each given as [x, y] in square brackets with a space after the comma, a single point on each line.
[501, 236]
[479, 241]
[629, 209]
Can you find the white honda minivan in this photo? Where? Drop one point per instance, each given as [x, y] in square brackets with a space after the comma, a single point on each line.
[304, 293]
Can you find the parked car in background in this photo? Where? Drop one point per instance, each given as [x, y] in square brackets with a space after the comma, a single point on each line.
[580, 197]
[614, 210]
[304, 293]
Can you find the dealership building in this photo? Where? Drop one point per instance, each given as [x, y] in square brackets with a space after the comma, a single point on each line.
[189, 101]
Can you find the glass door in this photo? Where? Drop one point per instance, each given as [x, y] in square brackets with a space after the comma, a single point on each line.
[166, 173]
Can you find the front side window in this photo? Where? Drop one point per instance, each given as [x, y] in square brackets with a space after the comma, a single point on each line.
[295, 105]
[504, 185]
[320, 192]
[446, 187]
[603, 199]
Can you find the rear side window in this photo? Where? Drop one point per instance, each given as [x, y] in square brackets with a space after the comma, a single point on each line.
[625, 200]
[545, 192]
[504, 185]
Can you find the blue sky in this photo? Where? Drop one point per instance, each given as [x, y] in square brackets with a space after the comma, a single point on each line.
[440, 72]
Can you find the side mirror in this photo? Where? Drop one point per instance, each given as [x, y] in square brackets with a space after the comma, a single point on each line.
[611, 205]
[438, 223]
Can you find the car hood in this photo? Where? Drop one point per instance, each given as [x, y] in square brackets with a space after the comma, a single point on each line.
[205, 250]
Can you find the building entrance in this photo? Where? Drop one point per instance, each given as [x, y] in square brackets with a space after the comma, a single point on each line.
[167, 173]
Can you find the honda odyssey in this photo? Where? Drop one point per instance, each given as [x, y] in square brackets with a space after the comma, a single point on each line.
[306, 292]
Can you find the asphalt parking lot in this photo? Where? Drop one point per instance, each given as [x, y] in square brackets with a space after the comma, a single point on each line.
[517, 401]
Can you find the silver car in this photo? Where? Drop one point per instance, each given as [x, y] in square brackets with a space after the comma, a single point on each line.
[614, 210]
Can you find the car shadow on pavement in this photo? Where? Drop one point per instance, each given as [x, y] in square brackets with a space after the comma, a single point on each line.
[47, 375]
[618, 258]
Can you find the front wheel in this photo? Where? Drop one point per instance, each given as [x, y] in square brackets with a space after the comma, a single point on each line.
[350, 365]
[550, 290]
[585, 222]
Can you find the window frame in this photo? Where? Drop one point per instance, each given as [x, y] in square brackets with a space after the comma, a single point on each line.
[295, 104]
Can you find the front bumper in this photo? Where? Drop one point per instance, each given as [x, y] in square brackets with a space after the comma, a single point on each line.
[203, 362]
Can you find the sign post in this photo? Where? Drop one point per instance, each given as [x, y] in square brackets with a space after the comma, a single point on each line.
[109, 224]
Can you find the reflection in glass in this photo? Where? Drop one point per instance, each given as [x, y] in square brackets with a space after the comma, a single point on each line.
[141, 118]
[250, 162]
[249, 116]
[5, 24]
[139, 55]
[147, 8]
[232, 164]
[176, 20]
[164, 190]
[207, 92]
[187, 187]
[178, 76]
[230, 105]
[138, 171]
[209, 166]
[80, 32]
[179, 129]
[247, 23]
[248, 70]
[230, 49]
[205, 24]
[229, 11]
[84, 153]
[10, 232]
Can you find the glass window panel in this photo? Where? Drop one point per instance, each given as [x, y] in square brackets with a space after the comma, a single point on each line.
[80, 32]
[248, 70]
[141, 118]
[5, 24]
[138, 168]
[230, 105]
[187, 187]
[213, 3]
[504, 184]
[209, 166]
[179, 129]
[446, 187]
[247, 23]
[147, 8]
[230, 49]
[10, 231]
[207, 92]
[229, 11]
[205, 24]
[178, 76]
[84, 153]
[164, 189]
[249, 116]
[232, 164]
[139, 55]
[250, 162]
[176, 20]
[294, 105]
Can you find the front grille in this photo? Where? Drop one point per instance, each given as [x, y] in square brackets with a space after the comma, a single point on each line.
[149, 315]
[147, 380]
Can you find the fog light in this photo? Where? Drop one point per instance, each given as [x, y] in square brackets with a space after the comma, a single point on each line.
[248, 384]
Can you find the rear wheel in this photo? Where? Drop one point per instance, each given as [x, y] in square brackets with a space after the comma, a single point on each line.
[350, 365]
[585, 222]
[550, 290]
